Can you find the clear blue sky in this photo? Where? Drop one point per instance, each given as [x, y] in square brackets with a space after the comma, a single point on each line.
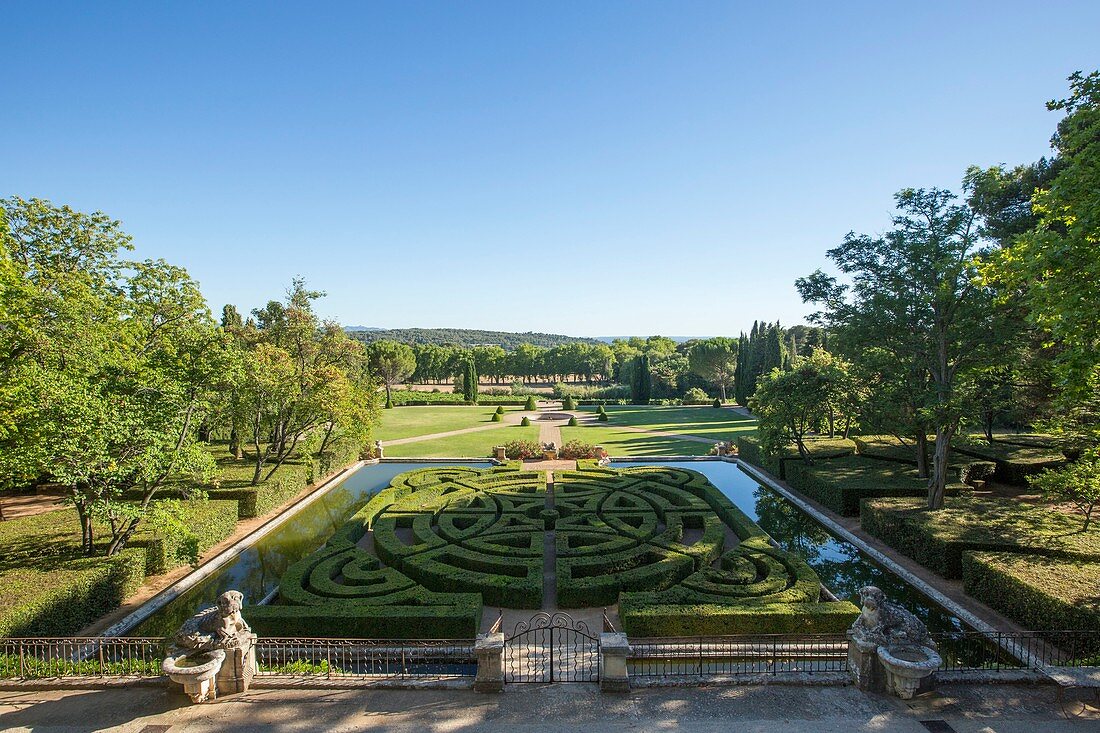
[586, 168]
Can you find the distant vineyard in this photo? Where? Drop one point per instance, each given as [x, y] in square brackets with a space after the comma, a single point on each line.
[467, 337]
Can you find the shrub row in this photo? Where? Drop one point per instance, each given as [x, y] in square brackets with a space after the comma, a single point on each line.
[458, 619]
[208, 523]
[60, 601]
[841, 484]
[1015, 463]
[641, 618]
[1041, 593]
[939, 539]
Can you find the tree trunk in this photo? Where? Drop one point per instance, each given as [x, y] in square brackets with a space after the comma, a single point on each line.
[922, 454]
[235, 443]
[937, 484]
[722, 391]
[988, 425]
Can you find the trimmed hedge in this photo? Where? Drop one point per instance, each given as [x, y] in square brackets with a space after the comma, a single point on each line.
[1015, 463]
[1041, 593]
[209, 522]
[57, 602]
[841, 484]
[642, 619]
[457, 620]
[749, 449]
[939, 539]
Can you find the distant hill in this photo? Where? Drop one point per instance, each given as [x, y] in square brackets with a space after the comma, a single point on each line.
[463, 337]
[677, 339]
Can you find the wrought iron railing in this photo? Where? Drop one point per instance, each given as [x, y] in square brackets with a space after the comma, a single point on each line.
[81, 657]
[378, 658]
[1022, 650]
[737, 655]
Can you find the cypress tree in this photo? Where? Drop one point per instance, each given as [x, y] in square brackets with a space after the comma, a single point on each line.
[640, 382]
[469, 382]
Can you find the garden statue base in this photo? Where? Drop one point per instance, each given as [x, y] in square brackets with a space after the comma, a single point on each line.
[889, 649]
[214, 651]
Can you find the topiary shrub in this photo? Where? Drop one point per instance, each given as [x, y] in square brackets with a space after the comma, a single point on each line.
[696, 396]
[600, 410]
[530, 404]
[525, 422]
[500, 409]
[977, 471]
[717, 403]
[573, 421]
[602, 417]
[569, 403]
[496, 417]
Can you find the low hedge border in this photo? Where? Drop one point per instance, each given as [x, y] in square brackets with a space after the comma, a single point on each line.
[1015, 463]
[459, 619]
[1041, 593]
[640, 618]
[938, 540]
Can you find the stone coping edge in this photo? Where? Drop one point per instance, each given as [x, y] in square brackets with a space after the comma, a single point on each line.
[801, 679]
[208, 568]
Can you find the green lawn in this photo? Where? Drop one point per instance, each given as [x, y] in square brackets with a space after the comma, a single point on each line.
[619, 442]
[408, 422]
[477, 444]
[706, 422]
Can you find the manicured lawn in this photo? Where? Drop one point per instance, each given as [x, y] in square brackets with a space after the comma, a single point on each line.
[619, 442]
[706, 422]
[408, 422]
[477, 444]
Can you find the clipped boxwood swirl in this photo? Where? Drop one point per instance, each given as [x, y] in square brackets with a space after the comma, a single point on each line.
[422, 557]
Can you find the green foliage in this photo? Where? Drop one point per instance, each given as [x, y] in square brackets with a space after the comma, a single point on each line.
[696, 396]
[391, 362]
[575, 449]
[715, 360]
[601, 410]
[1077, 484]
[977, 471]
[717, 404]
[525, 422]
[1015, 464]
[573, 421]
[530, 403]
[841, 484]
[467, 338]
[469, 382]
[938, 539]
[496, 417]
[640, 380]
[500, 410]
[522, 449]
[1040, 593]
[569, 403]
[602, 417]
[448, 540]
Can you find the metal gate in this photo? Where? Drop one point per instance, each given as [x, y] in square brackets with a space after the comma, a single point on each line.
[552, 648]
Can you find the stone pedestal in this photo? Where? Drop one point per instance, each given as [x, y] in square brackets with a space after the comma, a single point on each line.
[863, 663]
[614, 649]
[500, 453]
[489, 649]
[239, 668]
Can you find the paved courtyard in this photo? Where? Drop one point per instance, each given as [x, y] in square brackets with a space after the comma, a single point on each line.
[553, 708]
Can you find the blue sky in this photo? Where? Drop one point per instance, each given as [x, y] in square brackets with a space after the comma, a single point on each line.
[583, 168]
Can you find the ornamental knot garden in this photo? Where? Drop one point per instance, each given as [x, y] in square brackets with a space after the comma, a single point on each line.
[423, 557]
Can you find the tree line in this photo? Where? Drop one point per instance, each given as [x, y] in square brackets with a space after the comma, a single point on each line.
[974, 311]
[114, 375]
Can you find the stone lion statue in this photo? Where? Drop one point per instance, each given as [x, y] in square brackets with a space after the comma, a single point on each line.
[888, 624]
[217, 627]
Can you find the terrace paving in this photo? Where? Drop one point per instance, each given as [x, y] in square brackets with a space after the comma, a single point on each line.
[539, 708]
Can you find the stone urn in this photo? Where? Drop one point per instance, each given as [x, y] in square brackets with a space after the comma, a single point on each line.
[214, 651]
[196, 671]
[890, 649]
[906, 668]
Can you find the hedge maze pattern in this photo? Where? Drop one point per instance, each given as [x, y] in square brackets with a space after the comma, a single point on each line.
[423, 556]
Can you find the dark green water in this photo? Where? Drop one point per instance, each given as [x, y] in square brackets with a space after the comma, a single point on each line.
[257, 570]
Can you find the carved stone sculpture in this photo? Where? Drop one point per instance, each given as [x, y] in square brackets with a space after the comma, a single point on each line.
[890, 648]
[214, 651]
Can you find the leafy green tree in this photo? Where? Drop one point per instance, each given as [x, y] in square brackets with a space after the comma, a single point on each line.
[917, 283]
[790, 404]
[715, 360]
[1054, 265]
[392, 363]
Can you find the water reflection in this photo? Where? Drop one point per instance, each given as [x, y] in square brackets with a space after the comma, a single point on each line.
[843, 569]
[257, 570]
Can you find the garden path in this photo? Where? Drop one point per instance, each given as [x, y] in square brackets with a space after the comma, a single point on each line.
[509, 419]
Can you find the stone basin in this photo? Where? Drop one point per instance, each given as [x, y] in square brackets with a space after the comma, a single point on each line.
[196, 671]
[906, 667]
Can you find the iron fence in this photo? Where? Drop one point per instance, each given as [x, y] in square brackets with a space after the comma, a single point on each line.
[81, 657]
[1025, 650]
[383, 658]
[737, 655]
